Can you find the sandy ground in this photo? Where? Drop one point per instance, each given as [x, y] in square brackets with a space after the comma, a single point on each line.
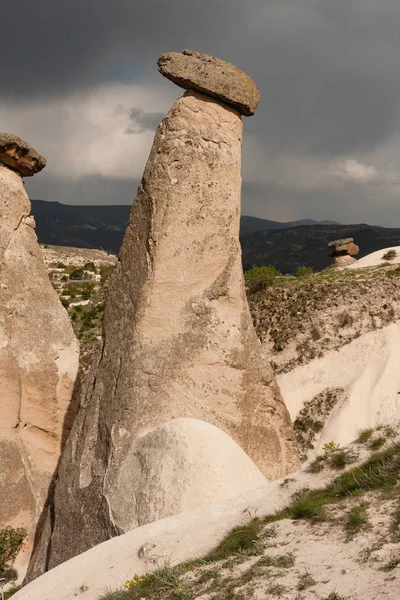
[352, 565]
[376, 258]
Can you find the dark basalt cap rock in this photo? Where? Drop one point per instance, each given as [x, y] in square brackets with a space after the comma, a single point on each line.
[211, 76]
[18, 155]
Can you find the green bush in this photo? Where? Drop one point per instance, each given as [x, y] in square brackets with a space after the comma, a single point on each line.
[10, 544]
[389, 255]
[304, 271]
[87, 291]
[357, 518]
[240, 539]
[77, 273]
[259, 278]
[90, 266]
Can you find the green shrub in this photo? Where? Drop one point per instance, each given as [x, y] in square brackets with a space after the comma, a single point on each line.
[339, 459]
[259, 278]
[364, 435]
[377, 443]
[392, 564]
[317, 464]
[10, 544]
[240, 539]
[77, 273]
[357, 518]
[304, 271]
[87, 291]
[165, 580]
[389, 255]
[376, 473]
[305, 581]
[90, 266]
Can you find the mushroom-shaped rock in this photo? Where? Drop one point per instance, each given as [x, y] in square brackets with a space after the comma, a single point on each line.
[18, 155]
[212, 76]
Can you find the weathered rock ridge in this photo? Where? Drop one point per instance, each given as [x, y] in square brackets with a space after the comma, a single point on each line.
[178, 339]
[38, 363]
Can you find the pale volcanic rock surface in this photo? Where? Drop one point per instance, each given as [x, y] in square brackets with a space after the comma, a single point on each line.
[178, 339]
[38, 363]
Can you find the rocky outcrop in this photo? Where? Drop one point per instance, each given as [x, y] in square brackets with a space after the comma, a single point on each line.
[178, 339]
[38, 361]
[212, 76]
[343, 252]
[18, 155]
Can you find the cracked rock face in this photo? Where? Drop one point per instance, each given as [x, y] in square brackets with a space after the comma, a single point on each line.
[38, 363]
[18, 155]
[178, 338]
[211, 76]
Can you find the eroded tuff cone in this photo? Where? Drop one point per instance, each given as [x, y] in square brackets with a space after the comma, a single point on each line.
[212, 76]
[38, 364]
[18, 155]
[179, 341]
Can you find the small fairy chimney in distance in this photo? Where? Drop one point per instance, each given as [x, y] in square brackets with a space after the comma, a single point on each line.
[343, 252]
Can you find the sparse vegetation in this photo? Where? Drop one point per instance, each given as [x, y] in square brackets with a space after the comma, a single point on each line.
[312, 417]
[11, 541]
[389, 255]
[377, 443]
[365, 435]
[392, 564]
[357, 518]
[259, 278]
[241, 539]
[306, 581]
[304, 271]
[378, 473]
[340, 458]
[317, 464]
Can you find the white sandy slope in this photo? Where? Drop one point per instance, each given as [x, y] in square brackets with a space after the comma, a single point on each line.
[368, 369]
[376, 258]
[173, 540]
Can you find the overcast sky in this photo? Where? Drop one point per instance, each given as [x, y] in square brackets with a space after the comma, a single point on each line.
[79, 81]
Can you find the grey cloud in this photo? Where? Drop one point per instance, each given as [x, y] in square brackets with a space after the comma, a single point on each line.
[142, 121]
[328, 72]
[88, 190]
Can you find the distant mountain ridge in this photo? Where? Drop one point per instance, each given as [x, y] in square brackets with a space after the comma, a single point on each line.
[103, 226]
[288, 249]
[253, 224]
[264, 242]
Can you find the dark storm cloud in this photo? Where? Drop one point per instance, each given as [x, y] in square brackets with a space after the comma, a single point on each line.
[87, 190]
[142, 121]
[328, 70]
